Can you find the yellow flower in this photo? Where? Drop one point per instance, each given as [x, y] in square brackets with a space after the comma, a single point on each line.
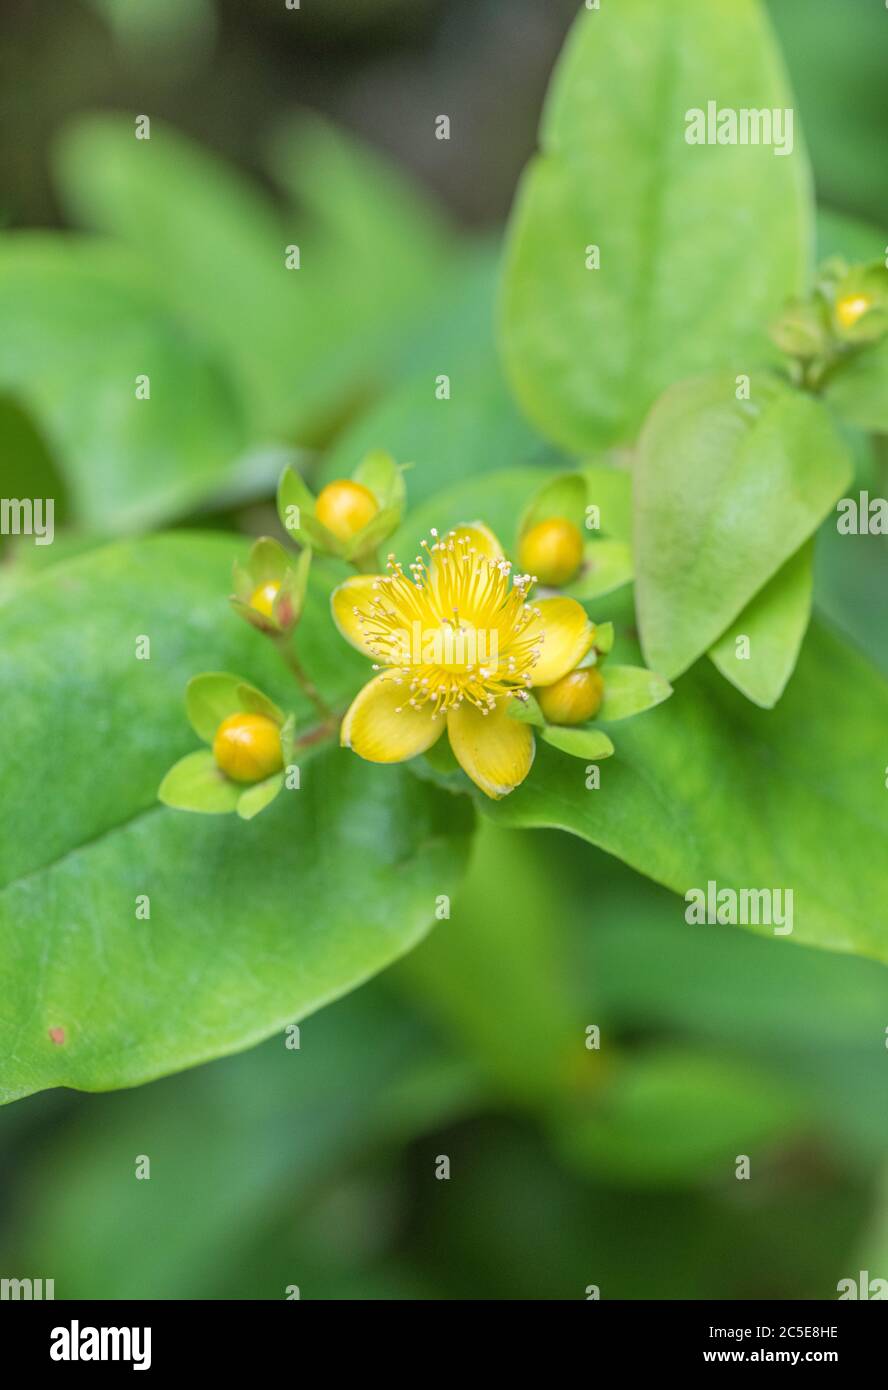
[454, 642]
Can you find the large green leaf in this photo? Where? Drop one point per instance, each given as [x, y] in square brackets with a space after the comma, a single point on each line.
[251, 925]
[758, 651]
[80, 329]
[699, 244]
[725, 492]
[709, 788]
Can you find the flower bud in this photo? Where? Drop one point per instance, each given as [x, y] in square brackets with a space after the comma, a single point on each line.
[851, 308]
[247, 747]
[573, 699]
[552, 550]
[345, 507]
[262, 599]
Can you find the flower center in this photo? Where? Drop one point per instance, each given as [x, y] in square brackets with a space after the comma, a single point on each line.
[459, 627]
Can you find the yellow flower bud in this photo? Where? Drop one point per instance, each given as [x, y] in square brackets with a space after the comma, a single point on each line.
[552, 550]
[247, 747]
[345, 508]
[852, 308]
[573, 699]
[263, 598]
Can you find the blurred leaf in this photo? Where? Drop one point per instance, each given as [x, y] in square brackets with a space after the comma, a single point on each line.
[774, 624]
[835, 55]
[851, 588]
[671, 1114]
[302, 343]
[859, 388]
[497, 976]
[252, 925]
[725, 492]
[838, 235]
[479, 429]
[699, 245]
[81, 327]
[162, 28]
[283, 1121]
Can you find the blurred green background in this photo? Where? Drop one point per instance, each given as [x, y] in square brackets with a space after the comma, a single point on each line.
[569, 1166]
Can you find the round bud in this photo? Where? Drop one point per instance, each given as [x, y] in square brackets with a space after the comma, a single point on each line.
[552, 550]
[573, 699]
[247, 747]
[852, 308]
[263, 598]
[345, 508]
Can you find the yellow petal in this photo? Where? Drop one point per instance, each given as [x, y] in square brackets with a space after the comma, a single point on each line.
[382, 727]
[567, 636]
[478, 536]
[495, 750]
[357, 592]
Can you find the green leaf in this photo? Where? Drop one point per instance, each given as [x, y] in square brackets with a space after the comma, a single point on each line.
[210, 698]
[563, 496]
[256, 798]
[252, 924]
[725, 491]
[774, 625]
[195, 783]
[700, 245]
[81, 330]
[610, 491]
[707, 787]
[527, 712]
[379, 472]
[859, 388]
[579, 743]
[607, 565]
[630, 690]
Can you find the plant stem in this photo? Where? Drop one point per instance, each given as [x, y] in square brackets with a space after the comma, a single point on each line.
[288, 652]
[318, 733]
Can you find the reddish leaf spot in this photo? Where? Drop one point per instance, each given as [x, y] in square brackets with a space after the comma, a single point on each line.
[57, 1035]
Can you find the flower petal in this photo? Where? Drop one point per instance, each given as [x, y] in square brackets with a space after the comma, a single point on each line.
[495, 750]
[356, 592]
[383, 728]
[568, 633]
[478, 536]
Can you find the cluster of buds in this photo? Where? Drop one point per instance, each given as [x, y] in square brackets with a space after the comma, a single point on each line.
[846, 310]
